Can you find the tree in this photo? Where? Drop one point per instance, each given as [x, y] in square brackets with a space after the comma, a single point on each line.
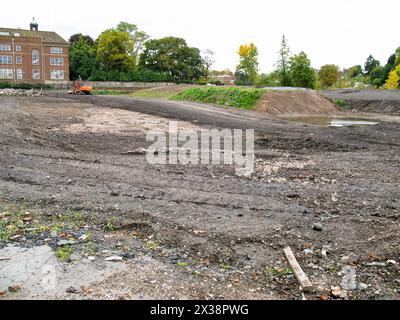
[283, 63]
[387, 69]
[397, 61]
[328, 75]
[115, 51]
[78, 37]
[393, 82]
[301, 72]
[354, 71]
[173, 56]
[375, 76]
[371, 64]
[138, 37]
[247, 68]
[208, 58]
[82, 58]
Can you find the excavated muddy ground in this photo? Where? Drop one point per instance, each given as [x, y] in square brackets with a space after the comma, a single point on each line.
[69, 184]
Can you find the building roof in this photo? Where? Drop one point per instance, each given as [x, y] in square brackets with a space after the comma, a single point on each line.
[48, 36]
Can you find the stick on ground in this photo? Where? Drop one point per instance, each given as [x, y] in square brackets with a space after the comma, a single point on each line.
[298, 272]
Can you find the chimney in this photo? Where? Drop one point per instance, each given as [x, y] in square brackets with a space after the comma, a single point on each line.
[34, 26]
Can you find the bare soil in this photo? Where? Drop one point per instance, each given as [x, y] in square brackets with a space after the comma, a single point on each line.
[201, 231]
[379, 101]
[295, 102]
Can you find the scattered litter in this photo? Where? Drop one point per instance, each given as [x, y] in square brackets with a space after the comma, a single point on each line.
[5, 258]
[15, 288]
[114, 258]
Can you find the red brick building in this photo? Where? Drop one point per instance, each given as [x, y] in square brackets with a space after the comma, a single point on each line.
[33, 56]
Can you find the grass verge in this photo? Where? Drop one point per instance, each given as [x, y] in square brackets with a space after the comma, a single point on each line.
[243, 98]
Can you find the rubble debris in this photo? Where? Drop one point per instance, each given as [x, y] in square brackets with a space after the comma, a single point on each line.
[317, 226]
[15, 288]
[298, 272]
[114, 258]
[5, 258]
[21, 92]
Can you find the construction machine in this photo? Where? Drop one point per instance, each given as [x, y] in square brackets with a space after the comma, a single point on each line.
[80, 88]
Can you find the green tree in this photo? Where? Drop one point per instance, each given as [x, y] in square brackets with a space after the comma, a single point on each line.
[82, 57]
[328, 75]
[375, 76]
[387, 69]
[247, 69]
[78, 37]
[138, 37]
[115, 51]
[173, 56]
[283, 63]
[371, 64]
[354, 72]
[301, 72]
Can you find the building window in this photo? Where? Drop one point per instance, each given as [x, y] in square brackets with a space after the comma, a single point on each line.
[17, 34]
[56, 50]
[18, 59]
[36, 74]
[2, 33]
[19, 74]
[56, 61]
[35, 57]
[18, 48]
[5, 59]
[5, 47]
[57, 75]
[6, 74]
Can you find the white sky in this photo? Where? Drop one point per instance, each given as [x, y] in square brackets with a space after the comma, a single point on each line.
[342, 32]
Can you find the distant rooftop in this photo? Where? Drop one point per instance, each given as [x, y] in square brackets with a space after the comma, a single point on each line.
[48, 36]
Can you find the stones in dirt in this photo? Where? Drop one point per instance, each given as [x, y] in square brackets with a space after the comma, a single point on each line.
[21, 93]
[139, 151]
[15, 288]
[317, 226]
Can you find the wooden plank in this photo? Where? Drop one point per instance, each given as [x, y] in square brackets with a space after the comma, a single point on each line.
[298, 272]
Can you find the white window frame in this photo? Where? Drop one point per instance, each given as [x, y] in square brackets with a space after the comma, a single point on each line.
[56, 50]
[18, 48]
[35, 57]
[56, 61]
[17, 34]
[57, 75]
[5, 59]
[18, 59]
[6, 74]
[20, 74]
[36, 74]
[5, 34]
[5, 47]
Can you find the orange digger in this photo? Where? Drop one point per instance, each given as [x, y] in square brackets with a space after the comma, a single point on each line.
[80, 88]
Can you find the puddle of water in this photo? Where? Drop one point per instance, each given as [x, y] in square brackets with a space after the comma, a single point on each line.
[333, 121]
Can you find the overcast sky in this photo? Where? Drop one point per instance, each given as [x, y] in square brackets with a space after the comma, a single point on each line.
[342, 32]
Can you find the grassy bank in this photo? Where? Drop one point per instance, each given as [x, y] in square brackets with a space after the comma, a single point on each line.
[243, 98]
[110, 92]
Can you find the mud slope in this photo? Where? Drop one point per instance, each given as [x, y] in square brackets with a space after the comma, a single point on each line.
[380, 101]
[295, 102]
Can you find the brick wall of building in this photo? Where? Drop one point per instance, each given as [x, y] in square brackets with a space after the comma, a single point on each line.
[28, 45]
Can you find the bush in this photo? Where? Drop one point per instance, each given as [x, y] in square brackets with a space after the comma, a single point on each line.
[342, 103]
[234, 97]
[217, 82]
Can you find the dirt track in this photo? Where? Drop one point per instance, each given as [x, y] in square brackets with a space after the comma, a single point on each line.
[57, 156]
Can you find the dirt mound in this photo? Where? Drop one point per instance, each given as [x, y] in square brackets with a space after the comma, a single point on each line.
[295, 102]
